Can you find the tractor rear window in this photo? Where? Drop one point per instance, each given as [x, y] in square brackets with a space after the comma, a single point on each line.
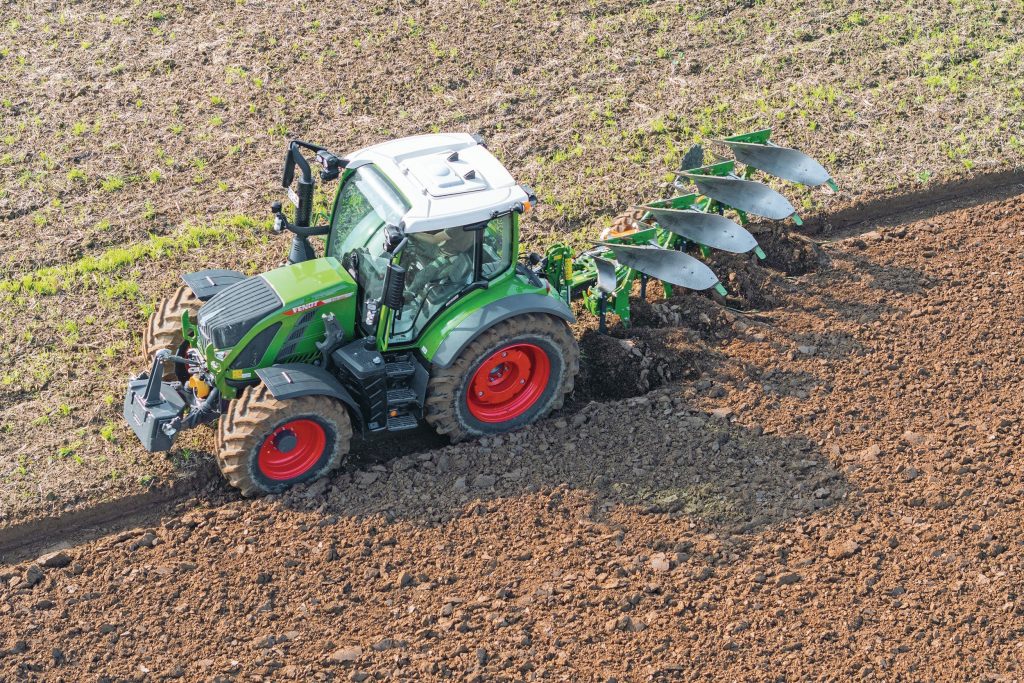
[497, 255]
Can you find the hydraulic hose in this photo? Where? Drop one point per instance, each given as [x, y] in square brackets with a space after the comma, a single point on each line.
[205, 409]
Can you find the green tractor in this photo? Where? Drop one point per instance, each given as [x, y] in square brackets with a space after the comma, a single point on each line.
[420, 307]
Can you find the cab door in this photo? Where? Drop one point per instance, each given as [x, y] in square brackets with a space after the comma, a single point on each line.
[443, 266]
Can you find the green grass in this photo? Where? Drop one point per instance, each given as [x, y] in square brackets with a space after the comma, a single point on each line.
[55, 279]
[112, 184]
[107, 432]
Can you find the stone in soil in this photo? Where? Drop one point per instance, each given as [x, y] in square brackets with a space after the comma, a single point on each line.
[841, 550]
[33, 575]
[54, 560]
[346, 654]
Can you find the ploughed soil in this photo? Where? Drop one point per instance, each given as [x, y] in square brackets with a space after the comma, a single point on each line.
[825, 485]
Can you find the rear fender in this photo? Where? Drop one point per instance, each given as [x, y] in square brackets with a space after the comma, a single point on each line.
[205, 283]
[292, 380]
[474, 324]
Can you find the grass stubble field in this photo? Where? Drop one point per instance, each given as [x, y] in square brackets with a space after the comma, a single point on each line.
[795, 504]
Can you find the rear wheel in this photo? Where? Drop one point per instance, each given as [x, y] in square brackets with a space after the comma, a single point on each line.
[265, 445]
[163, 331]
[510, 376]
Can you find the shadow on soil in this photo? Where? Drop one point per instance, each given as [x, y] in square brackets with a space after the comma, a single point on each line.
[721, 475]
[885, 277]
[627, 437]
[926, 202]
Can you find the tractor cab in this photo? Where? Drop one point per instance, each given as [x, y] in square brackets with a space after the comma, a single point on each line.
[436, 208]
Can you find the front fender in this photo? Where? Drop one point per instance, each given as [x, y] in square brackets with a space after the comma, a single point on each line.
[292, 380]
[205, 283]
[470, 327]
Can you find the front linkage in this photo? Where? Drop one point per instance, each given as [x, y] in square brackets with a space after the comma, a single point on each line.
[156, 409]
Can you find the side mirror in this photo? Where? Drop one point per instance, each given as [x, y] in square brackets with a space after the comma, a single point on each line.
[394, 239]
[275, 209]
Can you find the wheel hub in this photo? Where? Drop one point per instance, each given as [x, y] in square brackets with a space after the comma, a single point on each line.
[285, 441]
[508, 383]
[292, 449]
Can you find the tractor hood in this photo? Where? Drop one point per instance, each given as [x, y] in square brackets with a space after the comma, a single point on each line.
[226, 318]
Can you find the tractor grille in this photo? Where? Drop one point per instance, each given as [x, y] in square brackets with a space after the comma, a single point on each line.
[226, 317]
[253, 352]
[298, 332]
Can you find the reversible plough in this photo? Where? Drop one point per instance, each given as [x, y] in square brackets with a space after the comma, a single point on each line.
[657, 244]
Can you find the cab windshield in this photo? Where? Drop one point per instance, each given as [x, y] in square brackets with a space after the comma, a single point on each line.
[366, 203]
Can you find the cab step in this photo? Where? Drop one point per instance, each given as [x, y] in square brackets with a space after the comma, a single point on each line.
[401, 396]
[400, 369]
[400, 423]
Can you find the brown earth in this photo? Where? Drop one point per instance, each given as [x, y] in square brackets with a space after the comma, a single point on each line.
[824, 481]
[837, 495]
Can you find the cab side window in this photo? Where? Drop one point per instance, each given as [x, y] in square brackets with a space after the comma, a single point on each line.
[441, 264]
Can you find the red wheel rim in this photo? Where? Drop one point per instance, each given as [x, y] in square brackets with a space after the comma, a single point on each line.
[508, 383]
[292, 449]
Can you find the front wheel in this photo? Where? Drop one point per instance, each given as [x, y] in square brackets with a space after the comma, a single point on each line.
[265, 445]
[163, 329]
[510, 376]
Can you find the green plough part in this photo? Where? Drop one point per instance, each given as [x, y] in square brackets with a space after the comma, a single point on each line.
[690, 222]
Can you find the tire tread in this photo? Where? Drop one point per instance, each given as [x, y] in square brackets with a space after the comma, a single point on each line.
[243, 427]
[163, 329]
[442, 389]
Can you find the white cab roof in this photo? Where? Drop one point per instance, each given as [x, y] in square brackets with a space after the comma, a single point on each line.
[449, 179]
